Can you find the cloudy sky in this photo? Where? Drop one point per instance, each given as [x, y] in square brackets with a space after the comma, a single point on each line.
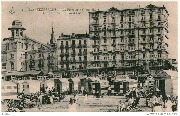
[38, 23]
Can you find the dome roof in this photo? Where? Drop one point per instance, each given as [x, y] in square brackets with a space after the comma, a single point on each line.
[17, 23]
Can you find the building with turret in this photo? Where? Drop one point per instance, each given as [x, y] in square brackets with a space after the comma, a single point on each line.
[23, 56]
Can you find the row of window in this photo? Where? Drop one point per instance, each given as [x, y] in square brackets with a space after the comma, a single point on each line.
[23, 45]
[131, 17]
[73, 42]
[8, 87]
[74, 58]
[74, 51]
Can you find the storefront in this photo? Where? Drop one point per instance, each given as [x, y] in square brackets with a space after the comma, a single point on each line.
[47, 85]
[167, 82]
[61, 85]
[74, 84]
[31, 86]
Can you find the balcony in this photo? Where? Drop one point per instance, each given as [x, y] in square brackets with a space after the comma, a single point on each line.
[67, 54]
[95, 37]
[95, 45]
[117, 50]
[113, 36]
[66, 46]
[166, 36]
[84, 53]
[95, 53]
[151, 41]
[131, 43]
[62, 54]
[114, 44]
[94, 30]
[151, 49]
[80, 54]
[151, 19]
[143, 42]
[131, 35]
[105, 52]
[73, 54]
[143, 34]
[79, 46]
[159, 19]
[84, 45]
[95, 23]
[113, 22]
[159, 33]
[161, 25]
[121, 43]
[73, 45]
[61, 46]
[131, 50]
[159, 49]
[121, 34]
[122, 50]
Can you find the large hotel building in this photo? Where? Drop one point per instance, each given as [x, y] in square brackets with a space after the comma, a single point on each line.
[129, 39]
[120, 41]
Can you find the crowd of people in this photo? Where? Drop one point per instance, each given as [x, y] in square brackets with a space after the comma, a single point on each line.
[153, 100]
[32, 100]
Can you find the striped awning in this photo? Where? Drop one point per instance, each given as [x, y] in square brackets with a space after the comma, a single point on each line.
[18, 73]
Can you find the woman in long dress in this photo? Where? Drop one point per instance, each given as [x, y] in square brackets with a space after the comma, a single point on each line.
[158, 107]
[120, 106]
[168, 105]
[51, 100]
[72, 107]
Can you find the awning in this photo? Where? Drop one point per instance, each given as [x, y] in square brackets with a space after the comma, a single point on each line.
[166, 74]
[18, 73]
[171, 73]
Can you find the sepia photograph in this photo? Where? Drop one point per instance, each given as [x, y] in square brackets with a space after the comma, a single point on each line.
[89, 56]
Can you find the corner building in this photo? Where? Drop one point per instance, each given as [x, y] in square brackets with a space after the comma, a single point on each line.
[128, 39]
[23, 56]
[72, 53]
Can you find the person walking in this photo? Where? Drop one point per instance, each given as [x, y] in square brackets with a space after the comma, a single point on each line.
[168, 105]
[72, 107]
[157, 108]
[51, 100]
[120, 106]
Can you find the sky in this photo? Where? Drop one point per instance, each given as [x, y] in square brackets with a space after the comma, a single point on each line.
[38, 23]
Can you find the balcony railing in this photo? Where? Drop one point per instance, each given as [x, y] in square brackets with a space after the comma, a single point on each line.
[61, 46]
[62, 54]
[80, 54]
[73, 45]
[94, 23]
[73, 54]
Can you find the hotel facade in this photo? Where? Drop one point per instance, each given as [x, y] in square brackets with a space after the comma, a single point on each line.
[125, 42]
[129, 40]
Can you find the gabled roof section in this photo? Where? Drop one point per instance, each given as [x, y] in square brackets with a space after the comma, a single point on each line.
[114, 9]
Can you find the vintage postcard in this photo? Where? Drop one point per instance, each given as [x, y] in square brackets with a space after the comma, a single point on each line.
[93, 56]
